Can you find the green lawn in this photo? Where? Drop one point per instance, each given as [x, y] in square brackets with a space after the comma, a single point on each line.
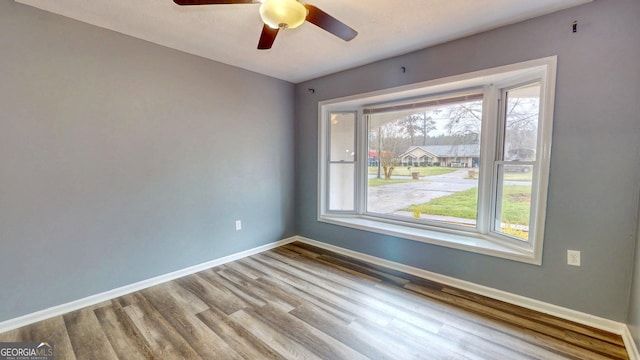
[509, 176]
[464, 204]
[424, 171]
[518, 176]
[383, 181]
[516, 204]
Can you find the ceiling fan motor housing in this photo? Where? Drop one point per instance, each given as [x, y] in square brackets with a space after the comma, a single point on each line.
[283, 14]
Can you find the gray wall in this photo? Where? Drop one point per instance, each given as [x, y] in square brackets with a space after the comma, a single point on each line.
[593, 191]
[121, 160]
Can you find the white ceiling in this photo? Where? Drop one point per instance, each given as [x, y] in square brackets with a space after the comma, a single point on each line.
[229, 33]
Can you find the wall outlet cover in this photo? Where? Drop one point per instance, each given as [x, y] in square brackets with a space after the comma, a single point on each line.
[573, 257]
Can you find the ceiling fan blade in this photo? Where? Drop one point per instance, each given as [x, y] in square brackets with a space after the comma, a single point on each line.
[267, 37]
[213, 2]
[329, 23]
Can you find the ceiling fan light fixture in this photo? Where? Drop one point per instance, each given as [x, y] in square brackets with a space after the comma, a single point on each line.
[282, 14]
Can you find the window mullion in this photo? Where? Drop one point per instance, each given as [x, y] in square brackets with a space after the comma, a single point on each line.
[362, 175]
[487, 149]
[497, 160]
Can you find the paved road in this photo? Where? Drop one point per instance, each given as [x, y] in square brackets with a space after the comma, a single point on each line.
[388, 199]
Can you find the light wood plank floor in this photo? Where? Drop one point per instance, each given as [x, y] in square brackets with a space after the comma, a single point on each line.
[302, 302]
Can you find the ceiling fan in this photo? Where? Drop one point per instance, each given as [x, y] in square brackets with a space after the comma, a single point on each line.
[285, 14]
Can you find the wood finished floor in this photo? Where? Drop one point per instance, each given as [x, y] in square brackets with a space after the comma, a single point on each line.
[302, 302]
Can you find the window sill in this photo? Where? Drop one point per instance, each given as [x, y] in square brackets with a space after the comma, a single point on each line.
[467, 242]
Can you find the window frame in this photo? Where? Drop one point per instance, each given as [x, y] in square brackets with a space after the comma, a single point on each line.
[435, 225]
[343, 162]
[481, 239]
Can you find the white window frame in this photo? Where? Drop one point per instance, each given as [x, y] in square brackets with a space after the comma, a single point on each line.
[480, 239]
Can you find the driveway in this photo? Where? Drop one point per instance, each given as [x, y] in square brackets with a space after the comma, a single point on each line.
[387, 199]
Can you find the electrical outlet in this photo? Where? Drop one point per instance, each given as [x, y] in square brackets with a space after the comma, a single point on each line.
[573, 257]
[238, 225]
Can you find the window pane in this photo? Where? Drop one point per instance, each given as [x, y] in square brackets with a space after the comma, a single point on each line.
[513, 205]
[423, 164]
[341, 187]
[522, 107]
[342, 136]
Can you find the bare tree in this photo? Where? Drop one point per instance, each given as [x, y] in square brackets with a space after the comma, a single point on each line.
[391, 143]
[465, 119]
[521, 114]
[521, 126]
[418, 124]
[410, 127]
[426, 125]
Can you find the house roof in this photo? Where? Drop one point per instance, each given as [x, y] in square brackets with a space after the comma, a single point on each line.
[442, 151]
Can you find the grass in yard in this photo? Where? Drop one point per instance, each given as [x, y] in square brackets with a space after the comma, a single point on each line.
[512, 231]
[383, 181]
[514, 176]
[516, 202]
[424, 170]
[510, 176]
[464, 204]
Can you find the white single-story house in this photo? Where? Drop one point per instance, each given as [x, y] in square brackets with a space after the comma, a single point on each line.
[462, 155]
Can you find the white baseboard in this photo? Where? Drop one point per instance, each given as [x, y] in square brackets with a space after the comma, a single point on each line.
[555, 310]
[630, 344]
[568, 314]
[127, 289]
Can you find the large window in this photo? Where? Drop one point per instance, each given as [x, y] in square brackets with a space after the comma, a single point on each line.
[425, 158]
[460, 162]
